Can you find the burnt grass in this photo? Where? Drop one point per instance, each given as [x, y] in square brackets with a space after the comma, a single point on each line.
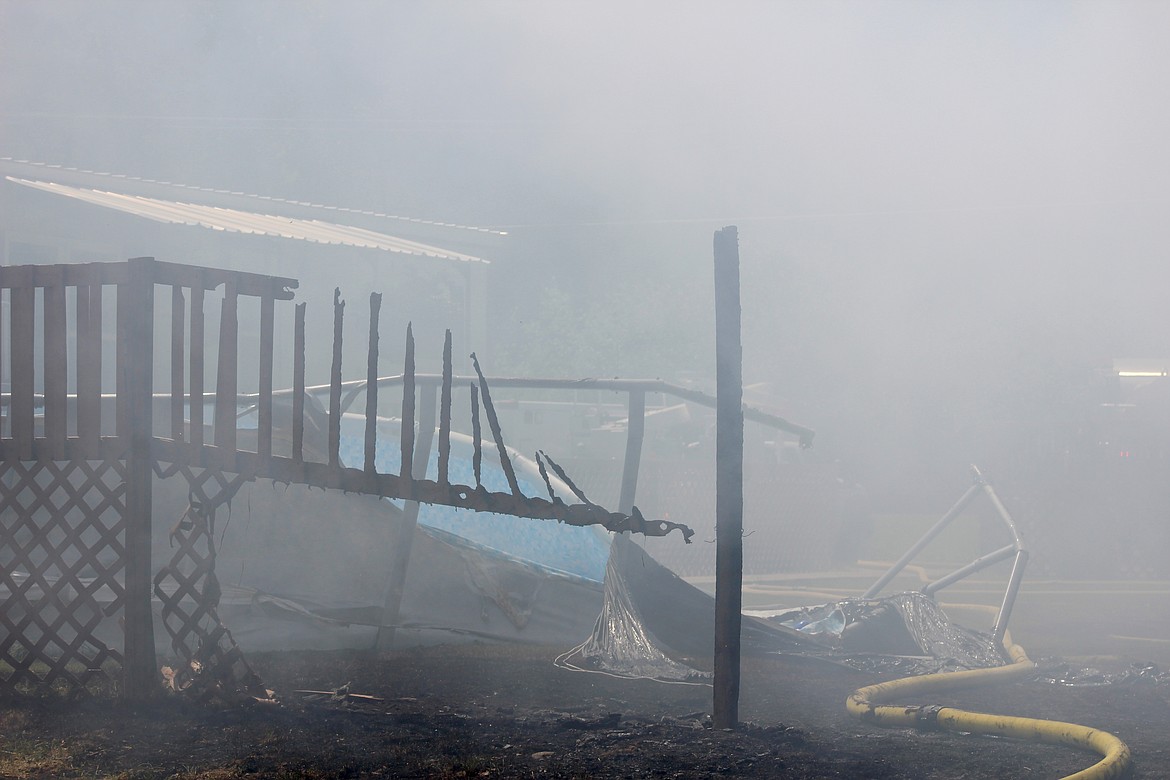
[482, 710]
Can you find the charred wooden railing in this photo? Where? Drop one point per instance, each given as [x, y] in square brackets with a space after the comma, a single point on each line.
[59, 552]
[332, 473]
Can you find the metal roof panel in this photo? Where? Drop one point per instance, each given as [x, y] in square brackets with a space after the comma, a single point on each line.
[237, 221]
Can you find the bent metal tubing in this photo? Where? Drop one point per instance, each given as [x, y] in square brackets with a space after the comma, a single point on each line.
[870, 705]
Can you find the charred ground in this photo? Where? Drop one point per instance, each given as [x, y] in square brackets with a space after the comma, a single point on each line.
[507, 711]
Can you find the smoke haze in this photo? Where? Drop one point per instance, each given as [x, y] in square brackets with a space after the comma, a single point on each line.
[949, 213]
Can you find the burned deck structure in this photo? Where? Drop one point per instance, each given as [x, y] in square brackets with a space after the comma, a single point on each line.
[77, 465]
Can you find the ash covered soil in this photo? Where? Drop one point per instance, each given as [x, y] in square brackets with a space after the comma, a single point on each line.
[507, 711]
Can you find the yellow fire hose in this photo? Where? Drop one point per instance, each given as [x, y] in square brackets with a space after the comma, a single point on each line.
[870, 704]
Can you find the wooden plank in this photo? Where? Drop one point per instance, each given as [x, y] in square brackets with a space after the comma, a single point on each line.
[372, 384]
[123, 304]
[244, 283]
[264, 402]
[335, 381]
[21, 343]
[56, 366]
[476, 438]
[108, 448]
[445, 414]
[89, 364]
[198, 334]
[227, 379]
[140, 670]
[88, 274]
[407, 427]
[497, 434]
[298, 400]
[178, 392]
[71, 275]
[351, 480]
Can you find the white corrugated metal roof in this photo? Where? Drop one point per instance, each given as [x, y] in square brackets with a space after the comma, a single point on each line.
[236, 221]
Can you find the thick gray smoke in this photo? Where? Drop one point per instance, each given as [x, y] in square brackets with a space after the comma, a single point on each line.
[951, 214]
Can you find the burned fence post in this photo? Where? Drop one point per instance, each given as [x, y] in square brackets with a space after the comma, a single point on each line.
[476, 438]
[56, 364]
[178, 378]
[89, 365]
[264, 402]
[227, 377]
[21, 334]
[298, 399]
[497, 433]
[195, 392]
[335, 381]
[371, 443]
[406, 427]
[728, 480]
[445, 414]
[136, 311]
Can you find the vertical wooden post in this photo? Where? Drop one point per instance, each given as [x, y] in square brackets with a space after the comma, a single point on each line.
[121, 345]
[227, 378]
[178, 378]
[497, 434]
[728, 480]
[264, 402]
[372, 385]
[335, 381]
[89, 366]
[56, 356]
[197, 367]
[476, 438]
[20, 407]
[298, 399]
[136, 312]
[406, 427]
[445, 414]
[635, 433]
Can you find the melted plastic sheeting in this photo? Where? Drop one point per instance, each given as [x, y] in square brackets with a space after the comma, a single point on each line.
[655, 625]
[1058, 672]
[910, 629]
[943, 640]
[621, 644]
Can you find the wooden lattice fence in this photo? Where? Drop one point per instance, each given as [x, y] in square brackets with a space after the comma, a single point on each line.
[76, 465]
[63, 524]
